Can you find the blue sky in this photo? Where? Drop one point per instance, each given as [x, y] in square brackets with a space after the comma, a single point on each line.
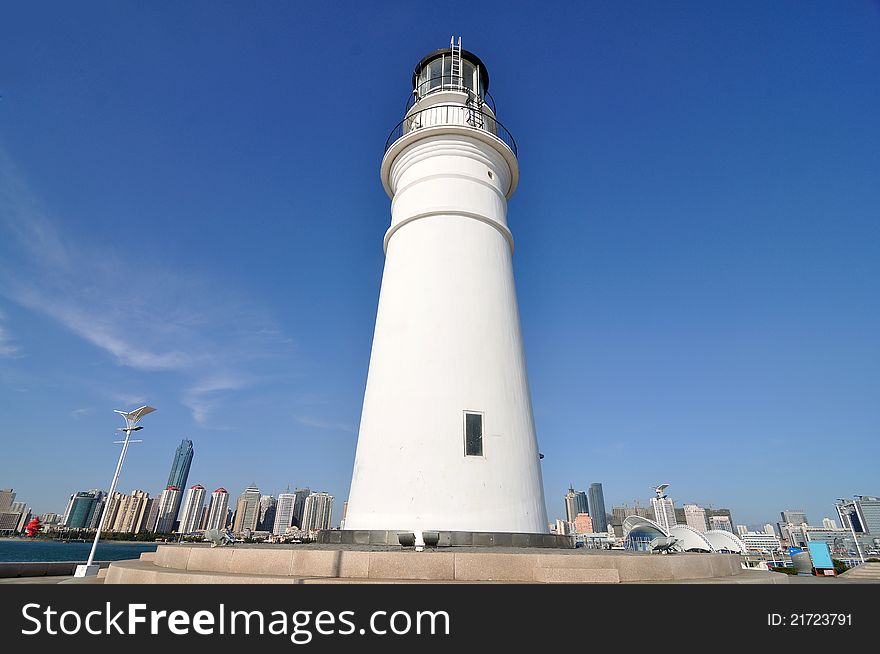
[191, 216]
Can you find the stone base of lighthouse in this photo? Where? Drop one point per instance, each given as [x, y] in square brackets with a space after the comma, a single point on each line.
[447, 538]
[357, 564]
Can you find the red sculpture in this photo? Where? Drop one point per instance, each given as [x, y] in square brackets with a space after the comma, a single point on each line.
[33, 527]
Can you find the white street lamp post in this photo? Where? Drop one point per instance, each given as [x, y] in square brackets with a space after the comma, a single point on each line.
[90, 569]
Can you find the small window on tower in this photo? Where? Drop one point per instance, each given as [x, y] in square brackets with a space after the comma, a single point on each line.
[473, 434]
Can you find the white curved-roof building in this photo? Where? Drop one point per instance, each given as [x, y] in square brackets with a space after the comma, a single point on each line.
[690, 539]
[639, 531]
[724, 541]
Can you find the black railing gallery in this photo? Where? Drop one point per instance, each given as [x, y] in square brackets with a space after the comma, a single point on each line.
[451, 114]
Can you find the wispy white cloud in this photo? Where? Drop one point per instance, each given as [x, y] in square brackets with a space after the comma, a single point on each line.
[324, 424]
[81, 413]
[145, 317]
[8, 347]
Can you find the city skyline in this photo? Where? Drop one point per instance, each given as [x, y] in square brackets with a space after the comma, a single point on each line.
[648, 510]
[695, 258]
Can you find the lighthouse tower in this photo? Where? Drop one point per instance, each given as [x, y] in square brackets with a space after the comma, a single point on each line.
[447, 439]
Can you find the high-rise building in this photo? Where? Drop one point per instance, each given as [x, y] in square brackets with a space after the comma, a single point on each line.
[597, 508]
[664, 512]
[192, 509]
[112, 505]
[131, 516]
[695, 517]
[267, 513]
[84, 506]
[169, 502]
[151, 514]
[794, 517]
[217, 509]
[99, 508]
[868, 510]
[721, 522]
[710, 512]
[247, 510]
[181, 463]
[317, 512]
[447, 435]
[180, 466]
[283, 513]
[575, 502]
[299, 506]
[769, 529]
[828, 523]
[7, 497]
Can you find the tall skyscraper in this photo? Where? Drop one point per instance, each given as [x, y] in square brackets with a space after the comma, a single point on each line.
[695, 517]
[447, 436]
[192, 509]
[267, 513]
[247, 510]
[318, 511]
[217, 509]
[180, 465]
[283, 513]
[597, 508]
[769, 529]
[299, 505]
[575, 502]
[169, 502]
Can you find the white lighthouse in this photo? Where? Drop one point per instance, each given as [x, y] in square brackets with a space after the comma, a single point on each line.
[447, 438]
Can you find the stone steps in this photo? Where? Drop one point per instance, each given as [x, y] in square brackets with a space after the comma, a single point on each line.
[863, 571]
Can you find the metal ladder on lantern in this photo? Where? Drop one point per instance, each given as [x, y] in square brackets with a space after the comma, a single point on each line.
[456, 80]
[474, 102]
